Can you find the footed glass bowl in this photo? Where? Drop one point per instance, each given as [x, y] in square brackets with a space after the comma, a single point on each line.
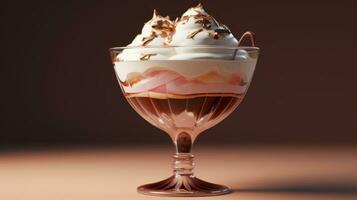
[183, 97]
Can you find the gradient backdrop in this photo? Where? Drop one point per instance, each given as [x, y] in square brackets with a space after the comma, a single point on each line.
[58, 86]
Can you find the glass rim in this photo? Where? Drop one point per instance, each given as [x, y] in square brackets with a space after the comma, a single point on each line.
[191, 46]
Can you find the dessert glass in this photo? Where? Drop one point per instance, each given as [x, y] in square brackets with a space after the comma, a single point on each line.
[183, 98]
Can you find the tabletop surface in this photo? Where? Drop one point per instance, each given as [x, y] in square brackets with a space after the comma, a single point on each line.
[252, 173]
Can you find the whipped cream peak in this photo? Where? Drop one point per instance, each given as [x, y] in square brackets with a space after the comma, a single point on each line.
[156, 32]
[156, 15]
[195, 10]
[197, 27]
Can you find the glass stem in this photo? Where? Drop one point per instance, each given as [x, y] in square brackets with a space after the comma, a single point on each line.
[183, 159]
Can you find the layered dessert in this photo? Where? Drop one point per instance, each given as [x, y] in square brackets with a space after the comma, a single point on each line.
[187, 74]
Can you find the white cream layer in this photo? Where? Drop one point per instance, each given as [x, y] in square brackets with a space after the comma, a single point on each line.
[188, 69]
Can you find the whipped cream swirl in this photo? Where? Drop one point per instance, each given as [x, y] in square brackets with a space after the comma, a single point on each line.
[194, 28]
[197, 27]
[157, 31]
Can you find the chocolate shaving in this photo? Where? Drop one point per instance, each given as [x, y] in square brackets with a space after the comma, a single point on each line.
[202, 16]
[147, 56]
[203, 19]
[219, 32]
[183, 19]
[193, 33]
[206, 24]
[163, 27]
[214, 34]
[222, 31]
[149, 38]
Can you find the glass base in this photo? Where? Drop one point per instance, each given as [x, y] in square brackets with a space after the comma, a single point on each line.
[183, 186]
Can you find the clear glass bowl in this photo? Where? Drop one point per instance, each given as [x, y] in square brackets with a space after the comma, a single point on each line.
[184, 91]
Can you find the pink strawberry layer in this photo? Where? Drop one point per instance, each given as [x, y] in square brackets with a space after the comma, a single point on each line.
[170, 82]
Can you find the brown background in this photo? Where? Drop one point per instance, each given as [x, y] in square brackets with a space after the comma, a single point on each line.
[58, 86]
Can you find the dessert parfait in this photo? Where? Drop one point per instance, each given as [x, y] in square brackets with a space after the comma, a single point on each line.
[184, 76]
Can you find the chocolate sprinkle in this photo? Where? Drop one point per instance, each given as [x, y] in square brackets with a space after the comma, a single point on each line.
[193, 33]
